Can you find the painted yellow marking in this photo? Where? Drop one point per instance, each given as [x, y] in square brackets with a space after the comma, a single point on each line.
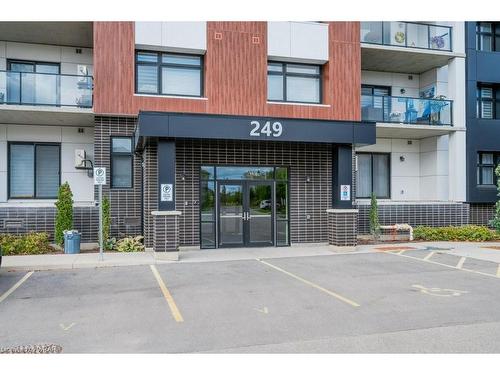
[498, 271]
[66, 328]
[401, 252]
[265, 310]
[170, 300]
[444, 265]
[428, 256]
[461, 262]
[329, 292]
[15, 286]
[439, 292]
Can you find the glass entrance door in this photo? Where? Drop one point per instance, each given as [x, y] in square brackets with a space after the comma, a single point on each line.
[244, 206]
[259, 214]
[246, 213]
[231, 214]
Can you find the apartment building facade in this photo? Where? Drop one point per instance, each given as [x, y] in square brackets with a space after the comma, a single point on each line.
[228, 134]
[483, 117]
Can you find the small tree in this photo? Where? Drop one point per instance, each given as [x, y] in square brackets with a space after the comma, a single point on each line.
[495, 222]
[374, 223]
[64, 213]
[106, 224]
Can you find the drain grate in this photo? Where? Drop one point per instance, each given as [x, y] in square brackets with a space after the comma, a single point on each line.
[32, 349]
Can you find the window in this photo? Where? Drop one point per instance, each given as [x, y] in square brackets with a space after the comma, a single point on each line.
[121, 162]
[486, 164]
[30, 82]
[488, 36]
[373, 175]
[488, 101]
[169, 74]
[293, 82]
[34, 170]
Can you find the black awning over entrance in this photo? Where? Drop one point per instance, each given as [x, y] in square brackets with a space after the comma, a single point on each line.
[186, 125]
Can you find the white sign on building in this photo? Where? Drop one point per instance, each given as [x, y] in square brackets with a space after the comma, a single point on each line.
[99, 176]
[167, 192]
[345, 192]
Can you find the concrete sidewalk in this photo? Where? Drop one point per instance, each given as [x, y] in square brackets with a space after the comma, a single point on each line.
[70, 261]
[92, 260]
[480, 250]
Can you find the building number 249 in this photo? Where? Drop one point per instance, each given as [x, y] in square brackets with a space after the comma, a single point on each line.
[274, 130]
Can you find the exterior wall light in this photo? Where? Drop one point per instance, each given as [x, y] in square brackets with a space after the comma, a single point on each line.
[401, 158]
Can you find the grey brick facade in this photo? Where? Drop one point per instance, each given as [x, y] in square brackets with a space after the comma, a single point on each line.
[19, 220]
[126, 204]
[432, 214]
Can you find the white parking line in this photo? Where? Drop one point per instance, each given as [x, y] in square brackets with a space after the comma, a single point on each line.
[444, 265]
[461, 262]
[15, 286]
[329, 292]
[498, 271]
[428, 256]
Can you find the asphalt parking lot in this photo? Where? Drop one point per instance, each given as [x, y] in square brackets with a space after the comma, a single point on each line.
[398, 301]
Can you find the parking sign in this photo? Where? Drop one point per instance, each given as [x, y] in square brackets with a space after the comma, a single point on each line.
[345, 192]
[99, 176]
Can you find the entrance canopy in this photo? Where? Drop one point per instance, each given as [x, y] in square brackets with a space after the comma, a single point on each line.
[185, 125]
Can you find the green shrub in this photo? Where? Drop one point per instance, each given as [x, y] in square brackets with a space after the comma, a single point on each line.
[108, 243]
[64, 213]
[25, 244]
[473, 233]
[374, 222]
[130, 244]
[495, 222]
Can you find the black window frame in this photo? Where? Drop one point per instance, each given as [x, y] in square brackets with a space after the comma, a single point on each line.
[494, 100]
[34, 63]
[371, 166]
[284, 73]
[9, 168]
[480, 166]
[493, 34]
[114, 153]
[159, 65]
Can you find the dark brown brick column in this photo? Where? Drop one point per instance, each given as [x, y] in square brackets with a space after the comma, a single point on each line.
[342, 227]
[166, 234]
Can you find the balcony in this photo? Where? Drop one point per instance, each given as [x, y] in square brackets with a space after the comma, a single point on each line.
[407, 34]
[404, 47]
[45, 98]
[45, 89]
[407, 117]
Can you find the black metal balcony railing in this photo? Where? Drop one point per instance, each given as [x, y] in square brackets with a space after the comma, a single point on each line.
[407, 34]
[45, 89]
[397, 109]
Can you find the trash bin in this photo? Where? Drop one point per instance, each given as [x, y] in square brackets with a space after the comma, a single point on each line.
[71, 242]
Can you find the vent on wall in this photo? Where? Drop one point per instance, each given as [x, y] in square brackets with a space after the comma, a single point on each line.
[13, 223]
[255, 39]
[218, 36]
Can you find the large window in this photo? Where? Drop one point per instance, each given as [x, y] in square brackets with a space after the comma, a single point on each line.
[488, 36]
[486, 164]
[34, 170]
[488, 101]
[31, 82]
[373, 175]
[169, 74]
[121, 162]
[293, 82]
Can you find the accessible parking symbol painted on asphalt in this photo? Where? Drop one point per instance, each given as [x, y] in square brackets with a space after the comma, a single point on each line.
[439, 292]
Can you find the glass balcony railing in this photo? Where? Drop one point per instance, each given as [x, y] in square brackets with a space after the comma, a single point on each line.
[405, 110]
[45, 89]
[407, 34]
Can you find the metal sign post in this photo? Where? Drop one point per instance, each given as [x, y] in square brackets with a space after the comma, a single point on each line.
[99, 180]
